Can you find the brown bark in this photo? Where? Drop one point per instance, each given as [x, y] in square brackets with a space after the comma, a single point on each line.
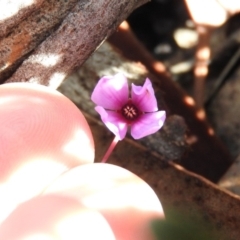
[68, 31]
[22, 34]
[13, 18]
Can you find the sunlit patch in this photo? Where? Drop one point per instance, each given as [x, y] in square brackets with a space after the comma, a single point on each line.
[46, 60]
[231, 183]
[159, 67]
[34, 174]
[10, 8]
[185, 37]
[34, 80]
[179, 167]
[4, 66]
[80, 142]
[117, 84]
[124, 26]
[7, 99]
[122, 125]
[38, 236]
[181, 67]
[127, 68]
[189, 101]
[56, 79]
[201, 115]
[201, 71]
[203, 53]
[231, 179]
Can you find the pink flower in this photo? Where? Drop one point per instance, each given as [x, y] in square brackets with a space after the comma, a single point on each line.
[118, 110]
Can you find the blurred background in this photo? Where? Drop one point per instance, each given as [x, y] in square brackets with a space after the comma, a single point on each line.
[169, 32]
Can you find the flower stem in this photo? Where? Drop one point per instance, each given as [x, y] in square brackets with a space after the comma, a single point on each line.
[110, 149]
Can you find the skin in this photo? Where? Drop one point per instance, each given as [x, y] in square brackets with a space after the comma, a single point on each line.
[42, 135]
[49, 186]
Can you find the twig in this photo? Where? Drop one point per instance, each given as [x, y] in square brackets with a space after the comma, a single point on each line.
[78, 35]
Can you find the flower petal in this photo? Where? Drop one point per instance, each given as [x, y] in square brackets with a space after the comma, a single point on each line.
[143, 97]
[148, 124]
[111, 92]
[114, 122]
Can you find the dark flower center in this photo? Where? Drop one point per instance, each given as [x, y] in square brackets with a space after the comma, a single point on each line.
[130, 111]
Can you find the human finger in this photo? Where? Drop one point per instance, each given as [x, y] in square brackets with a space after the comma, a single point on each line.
[125, 200]
[42, 135]
[54, 217]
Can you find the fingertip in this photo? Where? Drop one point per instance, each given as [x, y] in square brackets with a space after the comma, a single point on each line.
[54, 217]
[42, 135]
[125, 200]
